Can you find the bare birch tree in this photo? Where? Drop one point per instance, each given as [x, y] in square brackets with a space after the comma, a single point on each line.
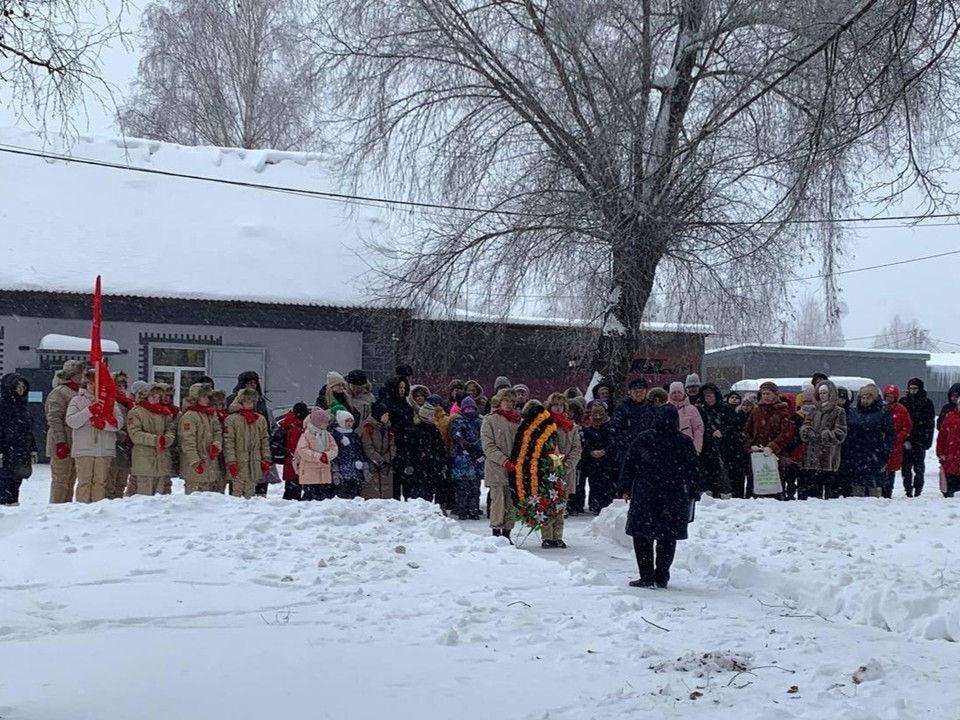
[230, 73]
[900, 334]
[691, 149]
[50, 55]
[810, 324]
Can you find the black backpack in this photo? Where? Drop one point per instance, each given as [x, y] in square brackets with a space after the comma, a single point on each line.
[278, 445]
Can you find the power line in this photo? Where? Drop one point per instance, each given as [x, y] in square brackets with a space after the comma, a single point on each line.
[898, 220]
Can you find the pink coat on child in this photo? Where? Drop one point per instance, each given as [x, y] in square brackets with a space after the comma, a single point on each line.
[316, 449]
[691, 422]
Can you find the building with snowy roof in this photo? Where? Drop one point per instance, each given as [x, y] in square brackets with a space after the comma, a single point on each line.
[217, 261]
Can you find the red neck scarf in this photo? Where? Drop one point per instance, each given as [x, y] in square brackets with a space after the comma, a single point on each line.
[562, 421]
[73, 386]
[249, 415]
[155, 408]
[511, 415]
[202, 409]
[126, 401]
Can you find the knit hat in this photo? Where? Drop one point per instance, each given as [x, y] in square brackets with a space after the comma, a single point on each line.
[427, 412]
[468, 403]
[343, 417]
[677, 387]
[769, 385]
[521, 388]
[354, 377]
[843, 394]
[638, 383]
[502, 381]
[404, 371]
[693, 380]
[319, 417]
[247, 395]
[378, 411]
[335, 378]
[300, 410]
[137, 386]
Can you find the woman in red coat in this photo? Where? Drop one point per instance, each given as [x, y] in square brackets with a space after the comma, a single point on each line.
[902, 426]
[948, 450]
[289, 430]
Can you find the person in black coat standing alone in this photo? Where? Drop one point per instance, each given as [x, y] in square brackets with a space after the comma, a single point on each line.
[659, 477]
[18, 446]
[922, 414]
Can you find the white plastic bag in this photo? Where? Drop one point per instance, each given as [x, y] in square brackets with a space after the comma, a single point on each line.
[766, 474]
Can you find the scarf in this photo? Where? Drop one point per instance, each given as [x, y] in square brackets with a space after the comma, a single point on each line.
[126, 401]
[249, 415]
[511, 415]
[202, 409]
[562, 421]
[73, 386]
[155, 408]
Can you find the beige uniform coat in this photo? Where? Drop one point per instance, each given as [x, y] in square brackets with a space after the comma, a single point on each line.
[87, 440]
[246, 444]
[572, 450]
[497, 434]
[56, 410]
[145, 428]
[197, 432]
[380, 448]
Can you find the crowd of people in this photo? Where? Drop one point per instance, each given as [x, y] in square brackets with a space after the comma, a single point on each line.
[409, 442]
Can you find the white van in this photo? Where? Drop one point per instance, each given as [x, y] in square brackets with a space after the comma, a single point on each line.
[795, 385]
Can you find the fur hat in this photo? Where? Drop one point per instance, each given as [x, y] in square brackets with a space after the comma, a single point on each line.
[218, 397]
[455, 384]
[300, 410]
[771, 386]
[247, 395]
[148, 389]
[354, 377]
[638, 383]
[197, 391]
[468, 403]
[532, 407]
[319, 417]
[557, 399]
[657, 396]
[121, 374]
[343, 416]
[70, 369]
[693, 380]
[89, 376]
[502, 381]
[505, 394]
[335, 378]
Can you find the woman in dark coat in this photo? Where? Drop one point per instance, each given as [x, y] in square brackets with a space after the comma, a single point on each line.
[719, 427]
[659, 478]
[18, 447]
[870, 439]
[394, 397]
[599, 461]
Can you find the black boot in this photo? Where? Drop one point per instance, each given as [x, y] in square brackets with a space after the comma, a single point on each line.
[641, 583]
[497, 532]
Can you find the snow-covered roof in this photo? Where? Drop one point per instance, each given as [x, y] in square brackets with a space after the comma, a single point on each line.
[816, 349]
[947, 360]
[54, 342]
[150, 235]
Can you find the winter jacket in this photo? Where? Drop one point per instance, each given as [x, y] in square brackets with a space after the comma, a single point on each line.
[428, 457]
[497, 434]
[660, 472]
[246, 444]
[380, 448]
[348, 465]
[145, 425]
[794, 450]
[922, 414]
[719, 416]
[629, 420]
[199, 430]
[315, 453]
[824, 431]
[467, 450]
[902, 427]
[362, 404]
[292, 427]
[17, 442]
[56, 411]
[870, 440]
[691, 422]
[261, 406]
[768, 426]
[89, 441]
[948, 443]
[949, 407]
[602, 469]
[401, 419]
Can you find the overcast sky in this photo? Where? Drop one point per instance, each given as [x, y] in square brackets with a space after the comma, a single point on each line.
[926, 291]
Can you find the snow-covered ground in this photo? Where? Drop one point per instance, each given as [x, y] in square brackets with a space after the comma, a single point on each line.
[209, 607]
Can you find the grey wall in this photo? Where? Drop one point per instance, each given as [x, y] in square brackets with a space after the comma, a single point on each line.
[296, 360]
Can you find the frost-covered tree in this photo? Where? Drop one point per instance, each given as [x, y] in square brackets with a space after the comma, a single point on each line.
[50, 55]
[900, 334]
[693, 149]
[230, 73]
[810, 324]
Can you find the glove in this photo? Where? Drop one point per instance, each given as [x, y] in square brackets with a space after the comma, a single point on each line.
[199, 467]
[265, 466]
[63, 451]
[509, 466]
[162, 442]
[234, 470]
[756, 448]
[825, 434]
[358, 464]
[33, 458]
[98, 422]
[324, 459]
[767, 451]
[96, 408]
[214, 452]
[907, 445]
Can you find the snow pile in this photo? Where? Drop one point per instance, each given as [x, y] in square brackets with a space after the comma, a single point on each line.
[885, 564]
[66, 222]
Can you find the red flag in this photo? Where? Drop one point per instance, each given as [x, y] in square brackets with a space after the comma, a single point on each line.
[106, 389]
